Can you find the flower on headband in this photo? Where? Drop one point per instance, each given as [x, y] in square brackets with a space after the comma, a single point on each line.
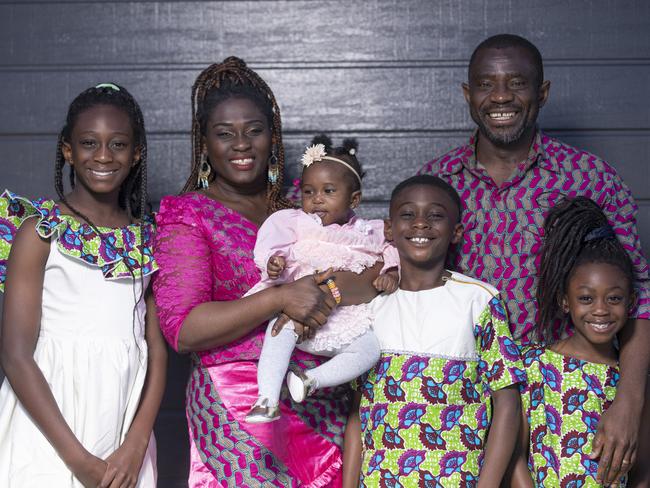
[312, 154]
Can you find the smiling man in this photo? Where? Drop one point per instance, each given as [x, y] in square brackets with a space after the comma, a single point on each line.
[508, 176]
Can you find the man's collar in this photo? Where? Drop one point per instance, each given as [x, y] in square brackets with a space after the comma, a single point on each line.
[539, 153]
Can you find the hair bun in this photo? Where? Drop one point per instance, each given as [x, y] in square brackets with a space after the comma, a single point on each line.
[324, 140]
[234, 62]
[351, 146]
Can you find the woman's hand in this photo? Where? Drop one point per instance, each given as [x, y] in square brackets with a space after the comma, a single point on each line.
[307, 302]
[123, 467]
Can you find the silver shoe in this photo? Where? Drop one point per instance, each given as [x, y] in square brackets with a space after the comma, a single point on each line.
[300, 385]
[262, 413]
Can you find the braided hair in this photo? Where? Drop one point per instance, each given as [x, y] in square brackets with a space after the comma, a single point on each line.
[133, 192]
[576, 233]
[347, 151]
[233, 79]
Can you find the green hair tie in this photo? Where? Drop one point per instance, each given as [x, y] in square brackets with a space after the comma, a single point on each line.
[108, 85]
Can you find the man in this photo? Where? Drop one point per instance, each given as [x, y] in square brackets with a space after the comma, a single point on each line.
[508, 176]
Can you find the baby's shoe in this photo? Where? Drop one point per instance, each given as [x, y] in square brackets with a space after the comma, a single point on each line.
[262, 412]
[300, 385]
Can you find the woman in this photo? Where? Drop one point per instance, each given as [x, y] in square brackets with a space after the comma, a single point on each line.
[205, 254]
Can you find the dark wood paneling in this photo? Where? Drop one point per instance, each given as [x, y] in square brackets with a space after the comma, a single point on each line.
[312, 99]
[387, 158]
[306, 31]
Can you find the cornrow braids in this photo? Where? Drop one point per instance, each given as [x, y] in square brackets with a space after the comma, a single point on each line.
[576, 232]
[233, 79]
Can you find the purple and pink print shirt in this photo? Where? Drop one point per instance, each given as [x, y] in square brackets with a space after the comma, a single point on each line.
[504, 224]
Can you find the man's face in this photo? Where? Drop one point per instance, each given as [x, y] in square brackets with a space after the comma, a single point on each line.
[504, 94]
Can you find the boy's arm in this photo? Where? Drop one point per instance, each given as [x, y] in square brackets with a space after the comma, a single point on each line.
[352, 446]
[518, 475]
[501, 439]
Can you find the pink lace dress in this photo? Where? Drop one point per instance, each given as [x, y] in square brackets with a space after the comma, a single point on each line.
[309, 246]
[204, 251]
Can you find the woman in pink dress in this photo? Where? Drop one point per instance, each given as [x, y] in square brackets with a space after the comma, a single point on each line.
[204, 250]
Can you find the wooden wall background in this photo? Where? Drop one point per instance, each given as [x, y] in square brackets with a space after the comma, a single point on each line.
[385, 71]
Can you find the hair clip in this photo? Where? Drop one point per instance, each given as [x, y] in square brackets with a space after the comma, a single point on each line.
[108, 85]
[352, 151]
[603, 232]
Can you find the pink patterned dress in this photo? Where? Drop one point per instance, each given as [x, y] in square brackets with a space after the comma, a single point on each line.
[204, 251]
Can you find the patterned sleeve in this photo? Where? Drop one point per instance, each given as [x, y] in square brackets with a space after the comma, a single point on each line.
[621, 211]
[500, 362]
[185, 276]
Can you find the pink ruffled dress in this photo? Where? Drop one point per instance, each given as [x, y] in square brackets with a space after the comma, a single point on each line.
[308, 246]
[204, 251]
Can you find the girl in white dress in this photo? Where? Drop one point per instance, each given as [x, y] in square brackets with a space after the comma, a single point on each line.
[81, 349]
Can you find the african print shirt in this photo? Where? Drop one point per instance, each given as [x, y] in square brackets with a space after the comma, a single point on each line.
[563, 399]
[504, 224]
[424, 408]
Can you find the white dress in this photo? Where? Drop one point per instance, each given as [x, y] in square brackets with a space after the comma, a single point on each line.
[91, 350]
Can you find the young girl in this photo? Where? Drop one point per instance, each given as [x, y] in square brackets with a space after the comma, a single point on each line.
[586, 281]
[324, 234]
[84, 367]
[447, 367]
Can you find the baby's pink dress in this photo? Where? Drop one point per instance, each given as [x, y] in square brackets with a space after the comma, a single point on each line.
[308, 246]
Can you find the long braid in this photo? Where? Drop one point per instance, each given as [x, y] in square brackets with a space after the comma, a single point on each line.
[570, 242]
[231, 79]
[133, 192]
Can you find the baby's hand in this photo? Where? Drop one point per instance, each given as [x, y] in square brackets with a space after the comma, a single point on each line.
[275, 266]
[387, 282]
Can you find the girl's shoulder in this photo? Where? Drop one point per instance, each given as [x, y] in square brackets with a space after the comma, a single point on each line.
[123, 252]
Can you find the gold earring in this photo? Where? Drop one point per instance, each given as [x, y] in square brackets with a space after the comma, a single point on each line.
[204, 172]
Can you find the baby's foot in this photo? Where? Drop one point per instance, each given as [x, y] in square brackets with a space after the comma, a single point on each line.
[262, 412]
[300, 385]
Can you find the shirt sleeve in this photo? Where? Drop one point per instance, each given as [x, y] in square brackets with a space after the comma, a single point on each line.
[391, 257]
[621, 211]
[276, 235]
[185, 277]
[500, 362]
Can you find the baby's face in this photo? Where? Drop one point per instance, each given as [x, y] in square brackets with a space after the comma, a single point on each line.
[327, 192]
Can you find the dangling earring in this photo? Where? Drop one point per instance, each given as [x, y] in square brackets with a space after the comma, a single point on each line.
[274, 169]
[204, 172]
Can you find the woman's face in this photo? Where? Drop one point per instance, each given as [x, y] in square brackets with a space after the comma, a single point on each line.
[238, 143]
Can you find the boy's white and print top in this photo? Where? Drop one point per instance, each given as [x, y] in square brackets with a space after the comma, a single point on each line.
[424, 409]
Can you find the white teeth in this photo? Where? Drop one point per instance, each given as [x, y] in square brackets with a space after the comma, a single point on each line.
[241, 161]
[600, 326]
[102, 173]
[501, 115]
[419, 240]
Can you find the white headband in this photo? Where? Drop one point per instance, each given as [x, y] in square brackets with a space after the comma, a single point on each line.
[317, 153]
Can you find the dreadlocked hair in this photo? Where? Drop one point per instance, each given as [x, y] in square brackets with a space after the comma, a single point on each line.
[576, 233]
[347, 151]
[233, 79]
[133, 192]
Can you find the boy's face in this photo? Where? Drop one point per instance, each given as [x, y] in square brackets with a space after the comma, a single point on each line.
[423, 223]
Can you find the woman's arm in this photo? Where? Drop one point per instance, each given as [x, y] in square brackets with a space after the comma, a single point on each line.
[20, 329]
[125, 463]
[352, 445]
[502, 437]
[357, 288]
[183, 286]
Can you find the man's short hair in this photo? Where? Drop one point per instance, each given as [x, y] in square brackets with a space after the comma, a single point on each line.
[503, 41]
